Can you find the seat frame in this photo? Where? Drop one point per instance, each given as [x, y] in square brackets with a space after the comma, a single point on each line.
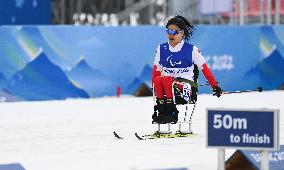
[187, 119]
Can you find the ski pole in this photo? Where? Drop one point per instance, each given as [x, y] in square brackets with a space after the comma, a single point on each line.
[259, 89]
[205, 84]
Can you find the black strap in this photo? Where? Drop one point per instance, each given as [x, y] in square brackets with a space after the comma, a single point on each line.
[183, 80]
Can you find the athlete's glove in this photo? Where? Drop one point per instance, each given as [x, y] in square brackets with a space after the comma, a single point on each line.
[217, 91]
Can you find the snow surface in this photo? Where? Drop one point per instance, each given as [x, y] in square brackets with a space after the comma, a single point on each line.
[78, 134]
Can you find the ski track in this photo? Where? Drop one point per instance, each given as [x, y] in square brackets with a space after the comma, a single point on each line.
[78, 134]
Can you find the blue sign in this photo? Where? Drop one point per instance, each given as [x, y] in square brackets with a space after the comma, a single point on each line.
[246, 129]
[276, 158]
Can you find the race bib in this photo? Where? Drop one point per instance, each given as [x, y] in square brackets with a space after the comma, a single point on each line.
[186, 91]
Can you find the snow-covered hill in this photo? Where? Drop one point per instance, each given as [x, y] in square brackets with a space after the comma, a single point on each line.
[77, 134]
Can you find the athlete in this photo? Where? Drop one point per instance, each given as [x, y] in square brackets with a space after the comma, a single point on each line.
[175, 59]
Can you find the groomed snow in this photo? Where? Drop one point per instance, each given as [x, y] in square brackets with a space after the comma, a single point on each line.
[77, 134]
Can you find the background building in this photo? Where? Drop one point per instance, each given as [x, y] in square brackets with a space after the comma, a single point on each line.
[134, 12]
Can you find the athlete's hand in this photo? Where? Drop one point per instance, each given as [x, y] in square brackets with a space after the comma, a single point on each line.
[217, 91]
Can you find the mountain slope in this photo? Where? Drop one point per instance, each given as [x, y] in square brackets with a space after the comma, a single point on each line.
[42, 80]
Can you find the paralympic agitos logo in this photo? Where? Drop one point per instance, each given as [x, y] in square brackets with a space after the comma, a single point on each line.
[173, 61]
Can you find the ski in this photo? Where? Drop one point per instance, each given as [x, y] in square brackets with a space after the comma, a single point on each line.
[116, 135]
[138, 137]
[158, 135]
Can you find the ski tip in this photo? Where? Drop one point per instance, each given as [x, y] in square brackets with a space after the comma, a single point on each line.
[138, 137]
[116, 135]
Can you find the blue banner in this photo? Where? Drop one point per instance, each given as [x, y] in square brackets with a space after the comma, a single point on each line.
[243, 58]
[276, 158]
[21, 12]
[11, 166]
[88, 61]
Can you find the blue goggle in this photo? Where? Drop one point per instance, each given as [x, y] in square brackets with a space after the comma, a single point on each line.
[173, 32]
